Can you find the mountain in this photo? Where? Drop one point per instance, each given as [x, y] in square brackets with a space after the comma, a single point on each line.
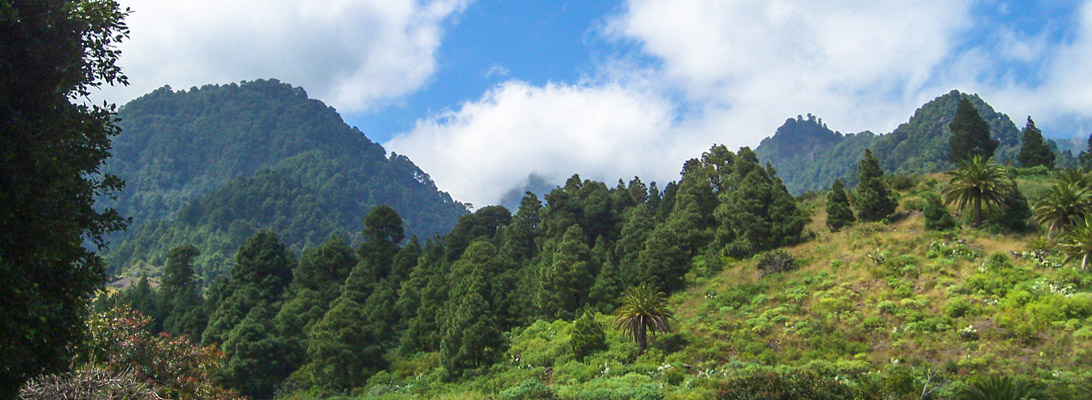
[211, 165]
[809, 156]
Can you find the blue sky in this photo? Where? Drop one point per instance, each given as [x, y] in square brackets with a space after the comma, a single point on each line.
[484, 94]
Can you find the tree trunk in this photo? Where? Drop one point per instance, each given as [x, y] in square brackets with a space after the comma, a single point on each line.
[642, 339]
[978, 210]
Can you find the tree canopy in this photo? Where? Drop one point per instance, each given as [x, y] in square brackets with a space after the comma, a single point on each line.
[53, 146]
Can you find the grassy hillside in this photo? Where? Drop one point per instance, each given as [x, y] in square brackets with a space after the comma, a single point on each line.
[883, 308]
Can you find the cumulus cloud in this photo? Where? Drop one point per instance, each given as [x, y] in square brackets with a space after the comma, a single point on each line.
[353, 54]
[516, 130]
[729, 72]
[863, 64]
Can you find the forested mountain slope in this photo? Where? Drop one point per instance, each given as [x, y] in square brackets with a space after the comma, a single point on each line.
[809, 156]
[212, 165]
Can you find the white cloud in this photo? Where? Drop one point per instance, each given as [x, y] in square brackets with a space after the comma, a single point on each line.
[602, 132]
[353, 54]
[861, 65]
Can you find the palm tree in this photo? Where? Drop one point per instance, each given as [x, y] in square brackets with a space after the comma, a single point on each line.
[643, 307]
[1064, 204]
[1077, 242]
[1000, 388]
[980, 183]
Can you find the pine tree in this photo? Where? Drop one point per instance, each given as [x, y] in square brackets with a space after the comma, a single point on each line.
[874, 201]
[382, 233]
[838, 212]
[970, 135]
[1034, 150]
[588, 337]
[256, 361]
[568, 276]
[343, 350]
[471, 338]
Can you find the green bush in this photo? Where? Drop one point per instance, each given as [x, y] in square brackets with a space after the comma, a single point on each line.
[531, 389]
[771, 386]
[957, 308]
[937, 217]
[776, 261]
[588, 337]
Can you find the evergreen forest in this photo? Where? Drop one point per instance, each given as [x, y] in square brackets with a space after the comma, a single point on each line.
[241, 241]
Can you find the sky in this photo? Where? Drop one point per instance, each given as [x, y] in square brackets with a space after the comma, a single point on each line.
[488, 95]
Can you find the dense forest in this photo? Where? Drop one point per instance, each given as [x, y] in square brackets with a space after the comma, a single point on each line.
[296, 260]
[213, 165]
[810, 156]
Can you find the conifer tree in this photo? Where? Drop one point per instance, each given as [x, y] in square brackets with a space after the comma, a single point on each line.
[757, 212]
[519, 236]
[588, 337]
[383, 232]
[568, 276]
[471, 337]
[874, 201]
[1034, 150]
[255, 354]
[838, 212]
[970, 135]
[343, 351]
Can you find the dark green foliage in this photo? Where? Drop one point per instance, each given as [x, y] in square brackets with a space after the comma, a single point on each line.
[212, 165]
[1001, 388]
[775, 262]
[323, 268]
[483, 223]
[588, 337]
[756, 213]
[839, 214]
[382, 235]
[519, 236]
[262, 273]
[568, 277]
[52, 146]
[937, 217]
[1033, 149]
[771, 386]
[1014, 211]
[970, 135]
[471, 338]
[873, 201]
[264, 262]
[255, 354]
[343, 351]
[809, 156]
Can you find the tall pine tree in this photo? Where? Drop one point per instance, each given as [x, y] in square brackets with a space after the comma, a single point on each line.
[839, 214]
[1034, 150]
[970, 135]
[874, 200]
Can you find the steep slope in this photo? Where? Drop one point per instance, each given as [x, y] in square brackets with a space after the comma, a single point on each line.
[809, 156]
[211, 165]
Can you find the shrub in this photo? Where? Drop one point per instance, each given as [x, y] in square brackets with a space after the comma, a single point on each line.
[588, 337]
[937, 217]
[776, 261]
[957, 308]
[531, 389]
[771, 386]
